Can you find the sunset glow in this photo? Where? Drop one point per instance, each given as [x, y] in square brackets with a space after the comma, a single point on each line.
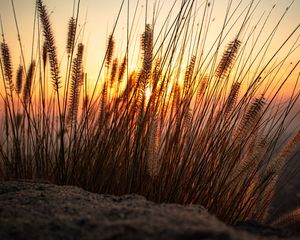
[192, 101]
[96, 21]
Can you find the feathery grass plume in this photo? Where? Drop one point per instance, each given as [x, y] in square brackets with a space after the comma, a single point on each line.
[28, 84]
[189, 75]
[153, 164]
[145, 74]
[176, 98]
[76, 83]
[50, 44]
[232, 98]
[157, 71]
[248, 165]
[19, 79]
[7, 65]
[250, 118]
[202, 88]
[71, 35]
[276, 164]
[110, 50]
[103, 104]
[187, 93]
[264, 199]
[147, 48]
[113, 73]
[187, 117]
[147, 42]
[228, 59]
[122, 69]
[45, 54]
[290, 219]
[273, 171]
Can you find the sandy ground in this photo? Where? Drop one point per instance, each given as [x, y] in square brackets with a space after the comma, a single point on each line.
[31, 210]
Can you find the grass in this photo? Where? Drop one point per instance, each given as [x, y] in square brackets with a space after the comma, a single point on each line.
[190, 124]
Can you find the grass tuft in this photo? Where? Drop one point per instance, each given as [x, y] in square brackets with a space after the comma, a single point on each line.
[176, 121]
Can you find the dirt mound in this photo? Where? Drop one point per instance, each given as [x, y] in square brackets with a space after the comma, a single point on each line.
[31, 210]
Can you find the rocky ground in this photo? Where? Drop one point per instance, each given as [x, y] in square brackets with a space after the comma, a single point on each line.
[31, 210]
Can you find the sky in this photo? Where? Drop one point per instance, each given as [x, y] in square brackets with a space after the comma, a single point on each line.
[99, 17]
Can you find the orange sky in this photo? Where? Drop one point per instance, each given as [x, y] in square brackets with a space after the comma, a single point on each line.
[102, 14]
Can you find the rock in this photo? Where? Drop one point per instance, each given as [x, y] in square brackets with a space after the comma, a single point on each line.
[30, 210]
[264, 230]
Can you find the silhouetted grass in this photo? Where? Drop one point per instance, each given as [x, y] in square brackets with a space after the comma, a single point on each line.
[204, 133]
